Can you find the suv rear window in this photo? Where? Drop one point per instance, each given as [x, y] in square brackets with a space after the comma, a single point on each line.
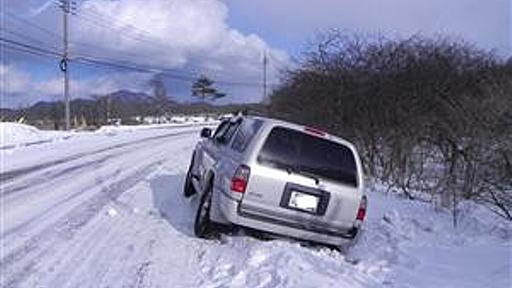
[302, 153]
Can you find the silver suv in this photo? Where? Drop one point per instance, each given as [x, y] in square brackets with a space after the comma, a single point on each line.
[277, 177]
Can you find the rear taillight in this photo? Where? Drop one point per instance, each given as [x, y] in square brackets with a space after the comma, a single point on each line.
[240, 179]
[361, 213]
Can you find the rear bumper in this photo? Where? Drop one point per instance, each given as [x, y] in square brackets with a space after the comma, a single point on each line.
[271, 222]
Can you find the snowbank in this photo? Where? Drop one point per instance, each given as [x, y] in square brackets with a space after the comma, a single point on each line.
[114, 129]
[415, 244]
[15, 134]
[107, 211]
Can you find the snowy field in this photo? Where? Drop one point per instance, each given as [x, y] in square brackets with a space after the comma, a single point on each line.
[105, 209]
[13, 135]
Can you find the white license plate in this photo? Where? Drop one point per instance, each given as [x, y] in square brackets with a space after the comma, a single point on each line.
[303, 201]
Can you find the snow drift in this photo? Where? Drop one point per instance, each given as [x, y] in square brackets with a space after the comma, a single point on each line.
[104, 210]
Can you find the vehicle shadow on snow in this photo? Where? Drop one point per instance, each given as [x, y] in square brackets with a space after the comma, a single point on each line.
[171, 204]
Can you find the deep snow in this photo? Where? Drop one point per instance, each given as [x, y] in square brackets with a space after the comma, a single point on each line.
[13, 134]
[105, 209]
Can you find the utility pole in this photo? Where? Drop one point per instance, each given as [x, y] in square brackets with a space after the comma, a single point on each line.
[265, 62]
[65, 5]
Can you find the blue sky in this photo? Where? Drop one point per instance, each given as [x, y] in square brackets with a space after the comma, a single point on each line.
[287, 24]
[222, 39]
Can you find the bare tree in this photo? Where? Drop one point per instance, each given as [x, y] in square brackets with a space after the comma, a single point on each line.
[427, 114]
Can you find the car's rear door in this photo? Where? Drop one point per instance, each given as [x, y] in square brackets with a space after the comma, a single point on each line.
[303, 178]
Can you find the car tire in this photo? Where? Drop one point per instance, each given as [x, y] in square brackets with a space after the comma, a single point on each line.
[203, 226]
[188, 187]
[344, 248]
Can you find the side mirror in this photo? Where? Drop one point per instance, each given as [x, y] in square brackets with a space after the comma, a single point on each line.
[206, 133]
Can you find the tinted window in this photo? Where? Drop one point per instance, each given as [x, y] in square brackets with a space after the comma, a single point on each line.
[221, 129]
[225, 135]
[245, 134]
[303, 153]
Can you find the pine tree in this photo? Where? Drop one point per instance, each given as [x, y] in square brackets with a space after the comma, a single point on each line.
[203, 88]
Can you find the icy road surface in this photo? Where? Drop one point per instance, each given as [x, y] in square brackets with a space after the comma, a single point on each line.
[105, 210]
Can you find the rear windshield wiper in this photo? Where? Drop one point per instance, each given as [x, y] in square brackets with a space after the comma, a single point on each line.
[291, 169]
[300, 171]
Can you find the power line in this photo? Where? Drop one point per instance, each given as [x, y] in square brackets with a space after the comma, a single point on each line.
[126, 65]
[72, 43]
[100, 22]
[143, 36]
[152, 69]
[90, 60]
[30, 47]
[24, 37]
[29, 51]
[140, 35]
[31, 24]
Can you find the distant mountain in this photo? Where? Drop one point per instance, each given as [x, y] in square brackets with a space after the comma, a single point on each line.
[123, 104]
[129, 96]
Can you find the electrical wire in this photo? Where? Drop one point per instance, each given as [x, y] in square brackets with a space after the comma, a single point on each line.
[142, 36]
[29, 47]
[90, 60]
[25, 37]
[26, 50]
[31, 24]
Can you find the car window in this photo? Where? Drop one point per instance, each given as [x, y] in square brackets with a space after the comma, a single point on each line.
[221, 129]
[245, 134]
[227, 133]
[299, 152]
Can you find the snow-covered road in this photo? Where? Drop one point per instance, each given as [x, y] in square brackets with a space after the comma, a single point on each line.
[105, 210]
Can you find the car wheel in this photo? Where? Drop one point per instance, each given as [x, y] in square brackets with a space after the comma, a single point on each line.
[188, 187]
[344, 248]
[203, 226]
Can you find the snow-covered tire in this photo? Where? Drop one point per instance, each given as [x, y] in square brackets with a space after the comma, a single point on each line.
[188, 187]
[203, 226]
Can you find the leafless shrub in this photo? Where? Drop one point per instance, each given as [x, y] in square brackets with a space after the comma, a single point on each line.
[429, 115]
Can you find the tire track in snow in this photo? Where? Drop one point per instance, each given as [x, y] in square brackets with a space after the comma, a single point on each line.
[42, 215]
[68, 224]
[57, 175]
[70, 266]
[54, 173]
[25, 260]
[41, 180]
[6, 176]
[129, 241]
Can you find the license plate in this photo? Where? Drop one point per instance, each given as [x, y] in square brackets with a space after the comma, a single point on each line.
[303, 201]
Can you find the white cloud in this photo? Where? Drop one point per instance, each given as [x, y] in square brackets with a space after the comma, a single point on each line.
[486, 23]
[18, 85]
[13, 80]
[111, 82]
[52, 86]
[190, 34]
[104, 84]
